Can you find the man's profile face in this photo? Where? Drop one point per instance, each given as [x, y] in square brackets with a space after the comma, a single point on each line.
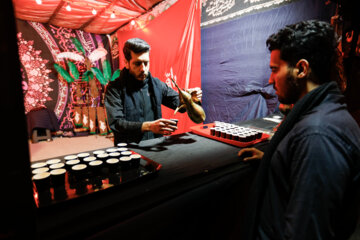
[284, 82]
[139, 65]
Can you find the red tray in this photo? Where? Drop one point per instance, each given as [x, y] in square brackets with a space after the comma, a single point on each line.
[204, 130]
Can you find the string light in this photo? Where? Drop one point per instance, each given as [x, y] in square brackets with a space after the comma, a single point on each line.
[132, 22]
[39, 2]
[68, 8]
[112, 15]
[94, 11]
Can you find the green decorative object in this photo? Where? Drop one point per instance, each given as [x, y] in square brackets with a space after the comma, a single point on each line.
[73, 70]
[63, 73]
[99, 75]
[87, 76]
[115, 75]
[73, 74]
[105, 76]
[78, 45]
[106, 69]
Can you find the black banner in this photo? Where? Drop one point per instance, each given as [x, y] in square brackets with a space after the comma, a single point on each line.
[218, 11]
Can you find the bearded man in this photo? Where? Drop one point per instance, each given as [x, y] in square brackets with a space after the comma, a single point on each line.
[133, 101]
[308, 178]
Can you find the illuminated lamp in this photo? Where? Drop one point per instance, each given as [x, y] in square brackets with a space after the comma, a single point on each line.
[68, 8]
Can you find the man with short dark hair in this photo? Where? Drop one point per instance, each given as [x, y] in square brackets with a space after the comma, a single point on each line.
[133, 101]
[307, 182]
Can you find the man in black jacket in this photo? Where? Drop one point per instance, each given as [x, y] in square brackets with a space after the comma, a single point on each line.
[308, 179]
[133, 101]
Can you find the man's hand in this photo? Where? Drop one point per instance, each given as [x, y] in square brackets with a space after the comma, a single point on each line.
[251, 154]
[160, 126]
[196, 94]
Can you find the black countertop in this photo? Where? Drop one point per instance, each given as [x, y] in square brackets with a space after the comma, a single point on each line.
[192, 165]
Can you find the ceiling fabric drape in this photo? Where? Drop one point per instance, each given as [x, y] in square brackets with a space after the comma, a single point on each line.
[93, 16]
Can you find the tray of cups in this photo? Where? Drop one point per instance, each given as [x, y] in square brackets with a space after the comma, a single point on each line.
[72, 176]
[230, 133]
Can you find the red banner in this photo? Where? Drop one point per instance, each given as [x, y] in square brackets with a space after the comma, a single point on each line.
[174, 37]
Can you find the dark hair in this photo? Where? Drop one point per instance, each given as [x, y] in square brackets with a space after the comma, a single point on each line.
[314, 41]
[135, 45]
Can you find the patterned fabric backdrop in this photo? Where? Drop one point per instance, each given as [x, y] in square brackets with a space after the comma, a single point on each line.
[39, 46]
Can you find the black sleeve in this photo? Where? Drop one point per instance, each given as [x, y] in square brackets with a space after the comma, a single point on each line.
[318, 180]
[116, 116]
[170, 98]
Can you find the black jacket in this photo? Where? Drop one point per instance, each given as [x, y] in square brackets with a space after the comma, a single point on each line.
[124, 107]
[314, 176]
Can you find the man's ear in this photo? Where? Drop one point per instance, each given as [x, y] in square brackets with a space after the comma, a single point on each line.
[127, 64]
[302, 68]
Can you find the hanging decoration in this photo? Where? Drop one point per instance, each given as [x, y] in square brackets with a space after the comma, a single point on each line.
[53, 66]
[37, 87]
[85, 113]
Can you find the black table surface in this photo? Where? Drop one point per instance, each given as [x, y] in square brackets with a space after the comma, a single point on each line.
[193, 168]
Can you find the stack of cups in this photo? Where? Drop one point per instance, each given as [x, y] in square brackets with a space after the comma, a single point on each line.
[96, 167]
[58, 183]
[135, 160]
[125, 163]
[38, 165]
[87, 160]
[126, 154]
[68, 166]
[120, 145]
[41, 176]
[53, 161]
[234, 132]
[50, 175]
[42, 183]
[122, 149]
[58, 177]
[111, 150]
[114, 155]
[98, 152]
[82, 156]
[79, 172]
[96, 170]
[103, 157]
[128, 173]
[39, 168]
[70, 157]
[58, 173]
[56, 166]
[71, 163]
[113, 165]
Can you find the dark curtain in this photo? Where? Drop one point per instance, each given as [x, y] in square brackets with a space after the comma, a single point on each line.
[235, 60]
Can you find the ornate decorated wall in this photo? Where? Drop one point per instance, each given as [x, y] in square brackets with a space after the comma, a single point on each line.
[77, 101]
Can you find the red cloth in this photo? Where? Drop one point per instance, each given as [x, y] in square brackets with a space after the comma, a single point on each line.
[174, 38]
